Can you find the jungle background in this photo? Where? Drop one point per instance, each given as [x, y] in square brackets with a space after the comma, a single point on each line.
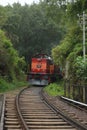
[52, 27]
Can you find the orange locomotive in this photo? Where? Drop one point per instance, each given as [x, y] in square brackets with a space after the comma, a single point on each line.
[42, 70]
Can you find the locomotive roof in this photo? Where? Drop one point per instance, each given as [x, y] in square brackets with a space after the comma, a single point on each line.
[42, 56]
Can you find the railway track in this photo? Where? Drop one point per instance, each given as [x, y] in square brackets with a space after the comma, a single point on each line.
[2, 107]
[73, 112]
[37, 114]
[30, 111]
[11, 120]
[78, 109]
[79, 105]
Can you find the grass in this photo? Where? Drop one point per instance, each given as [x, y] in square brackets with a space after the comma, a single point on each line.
[7, 86]
[55, 89]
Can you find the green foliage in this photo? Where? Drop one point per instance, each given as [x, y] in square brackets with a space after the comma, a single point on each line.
[80, 68]
[68, 47]
[6, 86]
[10, 62]
[55, 89]
[31, 30]
[3, 16]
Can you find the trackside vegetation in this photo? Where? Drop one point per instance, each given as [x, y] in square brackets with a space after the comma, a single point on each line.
[8, 86]
[11, 65]
[69, 53]
[55, 89]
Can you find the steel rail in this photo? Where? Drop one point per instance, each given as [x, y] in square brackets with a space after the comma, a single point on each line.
[2, 113]
[81, 106]
[23, 123]
[76, 102]
[65, 116]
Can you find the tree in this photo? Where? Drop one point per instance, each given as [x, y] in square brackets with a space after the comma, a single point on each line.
[70, 47]
[9, 58]
[80, 69]
[32, 31]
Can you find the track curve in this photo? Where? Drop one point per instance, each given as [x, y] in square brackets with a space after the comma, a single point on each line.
[37, 114]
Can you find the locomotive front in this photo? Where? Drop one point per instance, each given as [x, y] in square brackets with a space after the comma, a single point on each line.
[41, 70]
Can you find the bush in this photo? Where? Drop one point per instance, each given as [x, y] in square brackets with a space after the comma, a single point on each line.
[80, 68]
[7, 86]
[11, 64]
[55, 89]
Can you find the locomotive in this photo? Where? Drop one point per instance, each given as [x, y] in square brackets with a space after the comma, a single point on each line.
[42, 70]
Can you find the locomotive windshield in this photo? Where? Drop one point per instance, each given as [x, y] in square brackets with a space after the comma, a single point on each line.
[42, 56]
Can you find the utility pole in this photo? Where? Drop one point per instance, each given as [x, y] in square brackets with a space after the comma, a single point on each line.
[82, 21]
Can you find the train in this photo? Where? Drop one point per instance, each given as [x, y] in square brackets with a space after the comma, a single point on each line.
[42, 71]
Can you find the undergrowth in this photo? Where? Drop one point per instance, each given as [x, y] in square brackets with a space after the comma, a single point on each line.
[55, 89]
[7, 86]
